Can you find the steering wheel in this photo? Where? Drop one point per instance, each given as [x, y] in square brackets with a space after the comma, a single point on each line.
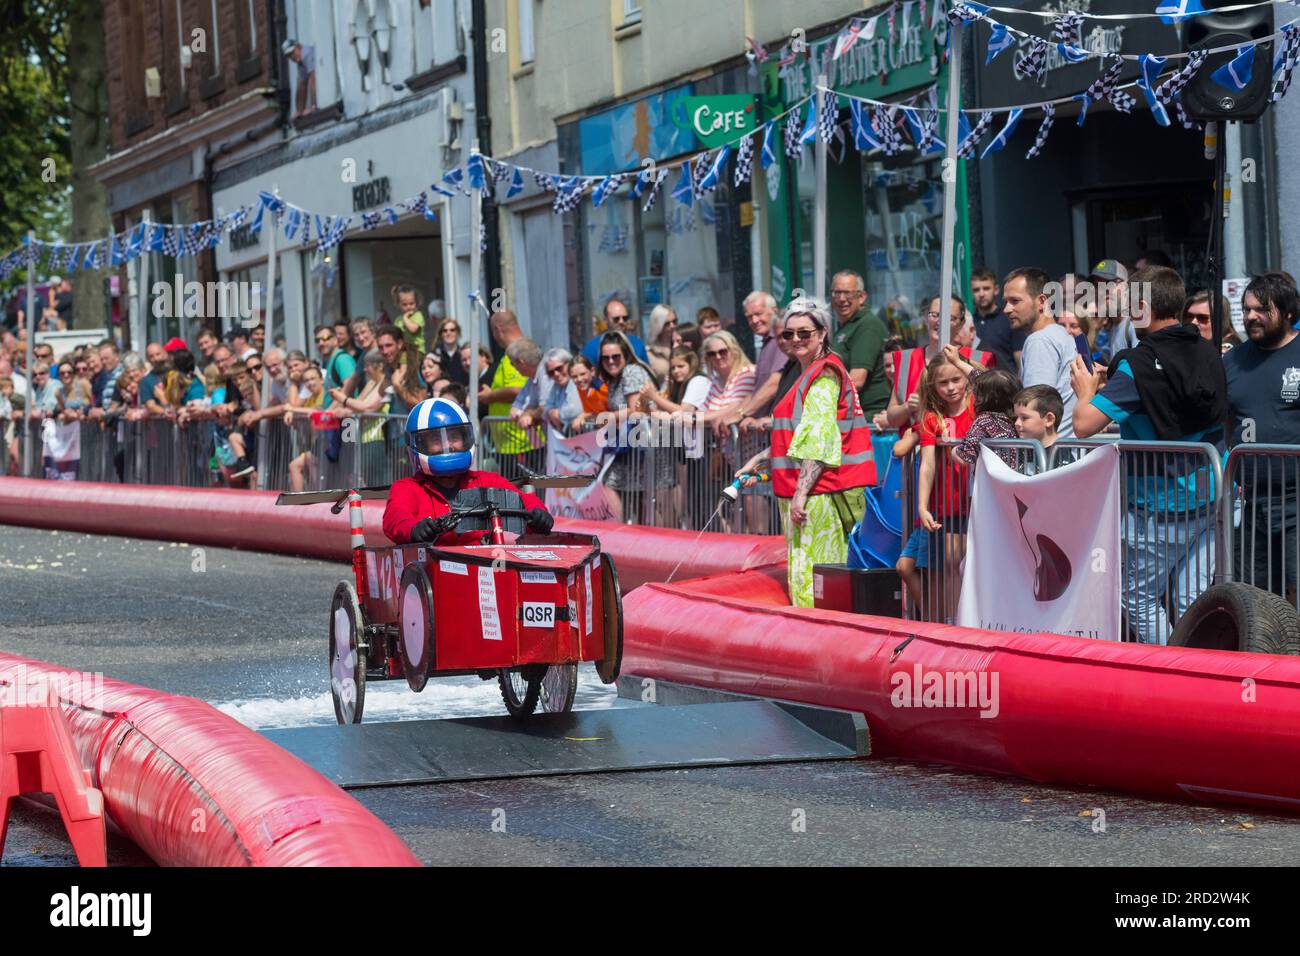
[453, 518]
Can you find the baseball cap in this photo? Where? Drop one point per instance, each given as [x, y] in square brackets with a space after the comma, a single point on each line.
[175, 345]
[1111, 270]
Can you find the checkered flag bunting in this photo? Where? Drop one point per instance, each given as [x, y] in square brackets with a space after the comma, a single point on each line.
[171, 241]
[1172, 88]
[745, 160]
[793, 126]
[1045, 127]
[1286, 62]
[1182, 115]
[884, 124]
[963, 13]
[1065, 28]
[656, 180]
[972, 140]
[827, 113]
[1033, 65]
[544, 181]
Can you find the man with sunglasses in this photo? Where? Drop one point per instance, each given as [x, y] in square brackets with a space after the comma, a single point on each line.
[860, 341]
[616, 320]
[337, 364]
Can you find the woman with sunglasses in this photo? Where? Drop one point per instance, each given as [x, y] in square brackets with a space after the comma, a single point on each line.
[731, 374]
[446, 347]
[821, 458]
[624, 375]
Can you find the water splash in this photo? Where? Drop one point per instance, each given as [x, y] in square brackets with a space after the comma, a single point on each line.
[697, 539]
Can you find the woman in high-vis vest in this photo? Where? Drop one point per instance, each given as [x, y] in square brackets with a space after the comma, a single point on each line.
[821, 458]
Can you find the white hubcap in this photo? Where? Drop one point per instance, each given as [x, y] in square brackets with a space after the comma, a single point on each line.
[414, 626]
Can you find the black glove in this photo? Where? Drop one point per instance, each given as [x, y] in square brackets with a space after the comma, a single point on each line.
[430, 528]
[540, 520]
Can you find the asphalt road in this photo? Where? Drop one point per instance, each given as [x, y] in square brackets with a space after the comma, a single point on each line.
[246, 632]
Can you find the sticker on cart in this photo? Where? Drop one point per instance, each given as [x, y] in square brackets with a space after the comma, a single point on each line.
[586, 579]
[419, 554]
[453, 567]
[537, 577]
[399, 563]
[538, 614]
[536, 555]
[372, 572]
[573, 612]
[819, 586]
[487, 604]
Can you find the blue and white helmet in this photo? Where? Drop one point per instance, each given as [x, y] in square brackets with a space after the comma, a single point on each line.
[439, 438]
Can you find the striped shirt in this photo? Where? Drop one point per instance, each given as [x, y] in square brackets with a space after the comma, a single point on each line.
[736, 390]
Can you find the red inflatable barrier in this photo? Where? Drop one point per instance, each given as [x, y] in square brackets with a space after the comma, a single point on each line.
[1175, 722]
[251, 520]
[193, 787]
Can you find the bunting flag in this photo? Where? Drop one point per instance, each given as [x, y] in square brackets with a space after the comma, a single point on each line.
[391, 215]
[827, 113]
[1172, 89]
[999, 40]
[420, 204]
[857, 28]
[1066, 28]
[793, 123]
[1173, 11]
[606, 187]
[709, 181]
[434, 187]
[1072, 54]
[1045, 127]
[756, 53]
[966, 12]
[568, 194]
[1033, 64]
[1182, 115]
[1104, 87]
[968, 145]
[544, 182]
[809, 131]
[369, 220]
[171, 242]
[154, 242]
[768, 155]
[864, 137]
[928, 141]
[684, 191]
[292, 223]
[655, 179]
[885, 125]
[516, 184]
[1286, 62]
[477, 179]
[744, 161]
[999, 141]
[456, 179]
[1149, 67]
[1236, 74]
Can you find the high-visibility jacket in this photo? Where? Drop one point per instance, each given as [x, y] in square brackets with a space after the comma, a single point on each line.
[857, 467]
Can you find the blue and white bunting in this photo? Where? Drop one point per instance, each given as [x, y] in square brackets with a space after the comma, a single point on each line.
[1285, 64]
[768, 155]
[1236, 73]
[864, 138]
[828, 109]
[809, 131]
[1045, 127]
[966, 150]
[475, 167]
[1175, 11]
[744, 160]
[516, 184]
[1000, 39]
[655, 179]
[999, 141]
[684, 191]
[709, 181]
[1149, 66]
[793, 124]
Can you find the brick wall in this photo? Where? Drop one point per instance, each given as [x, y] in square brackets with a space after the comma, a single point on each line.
[152, 26]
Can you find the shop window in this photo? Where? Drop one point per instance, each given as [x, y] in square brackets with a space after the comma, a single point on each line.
[313, 76]
[246, 40]
[371, 267]
[631, 12]
[527, 49]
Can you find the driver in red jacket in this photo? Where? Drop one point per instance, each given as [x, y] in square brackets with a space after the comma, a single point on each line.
[439, 439]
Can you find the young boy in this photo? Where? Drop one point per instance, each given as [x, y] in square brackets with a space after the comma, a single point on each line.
[411, 318]
[1038, 411]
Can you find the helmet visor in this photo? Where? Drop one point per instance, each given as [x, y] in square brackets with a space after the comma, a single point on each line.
[445, 440]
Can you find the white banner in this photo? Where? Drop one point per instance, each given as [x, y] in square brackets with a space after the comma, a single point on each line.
[578, 455]
[1043, 553]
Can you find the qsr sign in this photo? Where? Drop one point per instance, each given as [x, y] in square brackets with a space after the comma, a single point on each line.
[716, 119]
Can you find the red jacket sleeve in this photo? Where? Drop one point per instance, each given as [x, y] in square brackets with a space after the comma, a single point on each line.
[407, 505]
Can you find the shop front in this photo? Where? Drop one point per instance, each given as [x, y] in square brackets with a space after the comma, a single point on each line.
[355, 278]
[885, 212]
[687, 252]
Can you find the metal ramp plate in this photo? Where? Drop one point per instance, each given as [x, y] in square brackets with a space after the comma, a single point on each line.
[638, 738]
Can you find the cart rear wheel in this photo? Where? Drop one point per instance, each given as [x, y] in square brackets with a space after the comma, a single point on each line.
[520, 688]
[347, 655]
[558, 688]
[611, 620]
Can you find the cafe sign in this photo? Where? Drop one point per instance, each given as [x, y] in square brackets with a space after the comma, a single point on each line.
[716, 119]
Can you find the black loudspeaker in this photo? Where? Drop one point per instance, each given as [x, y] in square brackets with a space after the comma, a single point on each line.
[837, 587]
[1206, 100]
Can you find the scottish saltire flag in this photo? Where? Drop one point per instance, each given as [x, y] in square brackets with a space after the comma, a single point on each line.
[440, 191]
[1071, 54]
[475, 166]
[1172, 11]
[999, 141]
[923, 131]
[768, 155]
[1150, 66]
[516, 184]
[683, 192]
[711, 178]
[999, 40]
[809, 127]
[455, 179]
[1235, 75]
[864, 137]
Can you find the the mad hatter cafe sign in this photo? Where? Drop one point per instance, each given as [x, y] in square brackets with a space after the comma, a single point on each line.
[887, 61]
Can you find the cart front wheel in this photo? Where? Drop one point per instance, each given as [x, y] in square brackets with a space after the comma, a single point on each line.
[347, 656]
[520, 688]
[558, 688]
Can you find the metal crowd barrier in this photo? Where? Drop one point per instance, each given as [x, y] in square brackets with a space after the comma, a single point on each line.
[934, 587]
[1169, 527]
[1257, 517]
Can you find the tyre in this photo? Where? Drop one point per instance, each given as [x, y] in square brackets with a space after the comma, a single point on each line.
[520, 688]
[415, 626]
[558, 689]
[347, 655]
[1239, 617]
[611, 598]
